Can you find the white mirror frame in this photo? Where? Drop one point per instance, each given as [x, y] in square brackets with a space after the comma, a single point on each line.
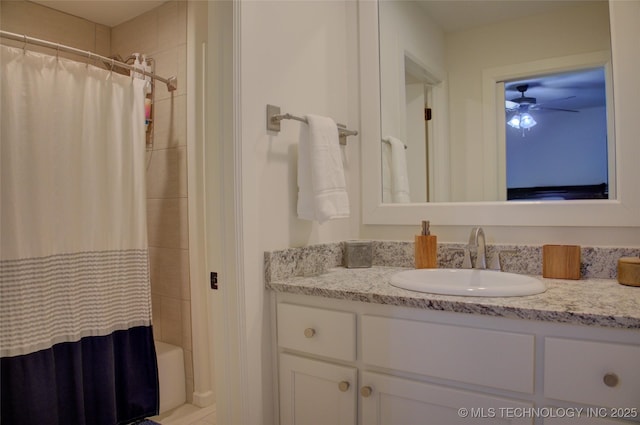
[624, 211]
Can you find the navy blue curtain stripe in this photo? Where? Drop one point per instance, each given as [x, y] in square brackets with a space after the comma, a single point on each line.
[105, 380]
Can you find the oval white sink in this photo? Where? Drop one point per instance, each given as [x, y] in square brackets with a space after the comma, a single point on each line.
[468, 282]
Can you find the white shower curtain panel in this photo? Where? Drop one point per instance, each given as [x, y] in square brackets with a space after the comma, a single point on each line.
[74, 255]
[73, 193]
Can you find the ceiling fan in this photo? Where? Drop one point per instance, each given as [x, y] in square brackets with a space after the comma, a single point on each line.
[519, 108]
[524, 103]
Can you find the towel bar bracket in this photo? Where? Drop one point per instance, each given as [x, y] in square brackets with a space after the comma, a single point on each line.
[273, 120]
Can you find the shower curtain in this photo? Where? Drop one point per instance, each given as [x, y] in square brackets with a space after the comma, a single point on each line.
[76, 342]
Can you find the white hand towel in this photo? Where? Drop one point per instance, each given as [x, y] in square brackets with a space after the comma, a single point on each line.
[386, 173]
[398, 171]
[322, 191]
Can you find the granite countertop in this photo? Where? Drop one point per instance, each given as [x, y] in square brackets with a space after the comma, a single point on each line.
[594, 302]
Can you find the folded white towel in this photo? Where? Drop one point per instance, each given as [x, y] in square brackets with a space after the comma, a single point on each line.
[395, 177]
[386, 173]
[322, 191]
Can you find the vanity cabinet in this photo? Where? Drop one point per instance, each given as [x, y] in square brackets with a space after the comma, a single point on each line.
[343, 362]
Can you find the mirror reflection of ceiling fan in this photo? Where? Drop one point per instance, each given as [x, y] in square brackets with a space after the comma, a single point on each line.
[525, 103]
[521, 106]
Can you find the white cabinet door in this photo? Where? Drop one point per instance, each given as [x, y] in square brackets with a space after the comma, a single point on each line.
[388, 400]
[583, 418]
[314, 392]
[590, 372]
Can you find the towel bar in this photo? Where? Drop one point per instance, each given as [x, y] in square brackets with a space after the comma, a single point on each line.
[274, 117]
[388, 142]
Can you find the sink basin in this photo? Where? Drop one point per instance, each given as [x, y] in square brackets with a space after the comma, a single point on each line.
[468, 282]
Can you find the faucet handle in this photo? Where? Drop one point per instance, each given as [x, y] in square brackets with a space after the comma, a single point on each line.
[496, 262]
[466, 261]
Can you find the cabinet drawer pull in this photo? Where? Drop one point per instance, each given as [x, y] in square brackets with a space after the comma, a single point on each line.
[610, 379]
[309, 332]
[343, 386]
[366, 391]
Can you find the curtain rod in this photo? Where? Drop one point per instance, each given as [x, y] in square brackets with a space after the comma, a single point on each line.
[171, 82]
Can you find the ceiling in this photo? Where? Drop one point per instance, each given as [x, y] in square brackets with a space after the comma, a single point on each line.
[105, 12]
[586, 88]
[460, 15]
[450, 15]
[570, 90]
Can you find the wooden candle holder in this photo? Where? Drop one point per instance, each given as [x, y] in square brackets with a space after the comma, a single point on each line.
[561, 261]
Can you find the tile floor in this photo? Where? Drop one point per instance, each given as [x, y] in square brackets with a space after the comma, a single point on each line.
[188, 414]
[207, 420]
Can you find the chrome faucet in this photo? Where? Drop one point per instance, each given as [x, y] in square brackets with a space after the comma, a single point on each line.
[477, 240]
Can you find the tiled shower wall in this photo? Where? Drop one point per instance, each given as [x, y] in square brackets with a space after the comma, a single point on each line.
[161, 34]
[23, 17]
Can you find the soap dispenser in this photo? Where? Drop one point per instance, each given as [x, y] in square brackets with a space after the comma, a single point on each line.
[426, 249]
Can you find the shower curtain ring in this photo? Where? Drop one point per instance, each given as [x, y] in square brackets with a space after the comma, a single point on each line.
[57, 51]
[24, 47]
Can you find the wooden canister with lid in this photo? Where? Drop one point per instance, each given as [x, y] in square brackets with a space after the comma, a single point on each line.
[629, 271]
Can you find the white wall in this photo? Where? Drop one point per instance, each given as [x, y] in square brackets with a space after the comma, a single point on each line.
[407, 30]
[296, 55]
[416, 142]
[302, 56]
[470, 52]
[565, 149]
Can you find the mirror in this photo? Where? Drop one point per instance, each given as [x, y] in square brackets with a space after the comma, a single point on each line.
[477, 135]
[435, 57]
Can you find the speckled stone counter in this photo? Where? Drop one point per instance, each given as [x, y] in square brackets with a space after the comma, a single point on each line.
[595, 302]
[592, 301]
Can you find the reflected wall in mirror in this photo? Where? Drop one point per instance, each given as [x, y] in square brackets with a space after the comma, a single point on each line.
[447, 69]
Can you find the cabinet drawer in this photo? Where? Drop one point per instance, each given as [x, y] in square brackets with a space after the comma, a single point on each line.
[575, 370]
[317, 331]
[495, 359]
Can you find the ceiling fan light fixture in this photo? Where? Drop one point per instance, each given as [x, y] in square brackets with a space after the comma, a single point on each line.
[527, 121]
[514, 121]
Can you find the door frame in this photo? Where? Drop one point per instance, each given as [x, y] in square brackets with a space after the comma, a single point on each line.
[214, 202]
